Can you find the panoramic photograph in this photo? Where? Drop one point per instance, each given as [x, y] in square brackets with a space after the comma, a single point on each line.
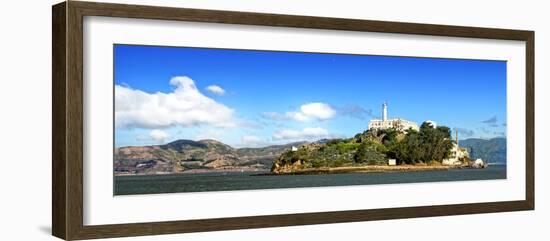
[190, 119]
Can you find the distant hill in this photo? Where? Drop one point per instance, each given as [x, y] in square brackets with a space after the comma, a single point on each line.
[490, 150]
[210, 155]
[188, 155]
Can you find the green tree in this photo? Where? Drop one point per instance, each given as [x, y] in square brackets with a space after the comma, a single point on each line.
[368, 153]
[361, 153]
[437, 142]
[427, 144]
[375, 158]
[414, 147]
[389, 135]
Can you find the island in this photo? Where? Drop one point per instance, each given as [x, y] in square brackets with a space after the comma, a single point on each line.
[389, 145]
[378, 150]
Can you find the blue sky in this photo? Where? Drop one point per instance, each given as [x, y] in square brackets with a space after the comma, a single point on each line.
[258, 98]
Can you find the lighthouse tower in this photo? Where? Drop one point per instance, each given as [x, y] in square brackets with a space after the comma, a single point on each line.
[385, 111]
[395, 123]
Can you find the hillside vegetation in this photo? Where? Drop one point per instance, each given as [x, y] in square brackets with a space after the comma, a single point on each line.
[429, 145]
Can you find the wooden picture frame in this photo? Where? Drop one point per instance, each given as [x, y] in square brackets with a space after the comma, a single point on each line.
[67, 124]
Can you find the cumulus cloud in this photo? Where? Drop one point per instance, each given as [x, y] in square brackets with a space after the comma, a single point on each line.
[158, 135]
[316, 110]
[185, 106]
[215, 89]
[304, 134]
[306, 112]
[154, 135]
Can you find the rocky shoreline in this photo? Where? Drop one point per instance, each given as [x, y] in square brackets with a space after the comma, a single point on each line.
[199, 171]
[360, 169]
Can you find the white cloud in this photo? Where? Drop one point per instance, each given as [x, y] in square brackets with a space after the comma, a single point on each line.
[306, 133]
[153, 136]
[317, 110]
[252, 141]
[299, 116]
[185, 106]
[215, 89]
[307, 112]
[158, 135]
[212, 134]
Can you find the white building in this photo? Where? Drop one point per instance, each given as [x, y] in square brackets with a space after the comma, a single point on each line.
[396, 123]
[457, 153]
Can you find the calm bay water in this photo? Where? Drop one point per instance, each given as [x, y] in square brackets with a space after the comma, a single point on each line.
[126, 185]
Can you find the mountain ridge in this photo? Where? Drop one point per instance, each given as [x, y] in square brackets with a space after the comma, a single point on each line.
[188, 155]
[491, 150]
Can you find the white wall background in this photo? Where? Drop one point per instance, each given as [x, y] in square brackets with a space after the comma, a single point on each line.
[25, 121]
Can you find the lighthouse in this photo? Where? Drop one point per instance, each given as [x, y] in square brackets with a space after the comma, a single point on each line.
[385, 111]
[395, 123]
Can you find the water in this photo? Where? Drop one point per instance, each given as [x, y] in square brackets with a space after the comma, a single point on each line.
[126, 185]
